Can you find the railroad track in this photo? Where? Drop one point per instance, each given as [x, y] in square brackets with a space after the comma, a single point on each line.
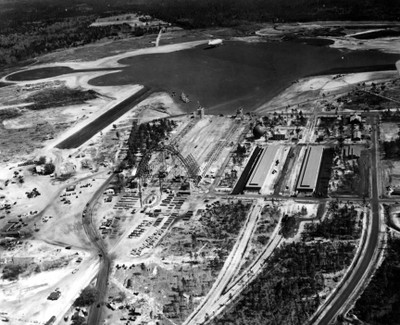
[216, 151]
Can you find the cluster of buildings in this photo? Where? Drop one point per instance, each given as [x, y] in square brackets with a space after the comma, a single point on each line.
[263, 163]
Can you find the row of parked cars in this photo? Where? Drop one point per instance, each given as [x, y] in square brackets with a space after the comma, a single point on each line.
[148, 243]
[140, 229]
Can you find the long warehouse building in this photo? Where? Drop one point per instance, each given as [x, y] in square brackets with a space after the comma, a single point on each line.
[308, 178]
[262, 169]
[242, 181]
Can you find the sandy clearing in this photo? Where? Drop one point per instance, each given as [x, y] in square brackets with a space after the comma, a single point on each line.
[15, 106]
[18, 304]
[161, 104]
[389, 131]
[387, 44]
[42, 251]
[292, 207]
[16, 192]
[123, 93]
[68, 218]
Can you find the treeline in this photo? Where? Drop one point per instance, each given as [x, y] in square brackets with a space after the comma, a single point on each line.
[207, 13]
[392, 148]
[61, 96]
[29, 28]
[201, 13]
[46, 36]
[380, 302]
[17, 15]
[340, 224]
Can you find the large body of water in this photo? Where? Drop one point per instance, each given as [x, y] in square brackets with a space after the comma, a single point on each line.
[235, 74]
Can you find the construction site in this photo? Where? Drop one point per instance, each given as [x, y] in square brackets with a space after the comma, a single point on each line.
[167, 213]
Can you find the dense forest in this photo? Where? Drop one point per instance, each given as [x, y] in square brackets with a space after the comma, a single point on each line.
[42, 37]
[288, 292]
[35, 27]
[380, 302]
[19, 15]
[340, 224]
[147, 136]
[206, 13]
[392, 148]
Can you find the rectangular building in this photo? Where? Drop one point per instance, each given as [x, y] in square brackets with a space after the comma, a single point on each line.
[308, 178]
[242, 181]
[262, 169]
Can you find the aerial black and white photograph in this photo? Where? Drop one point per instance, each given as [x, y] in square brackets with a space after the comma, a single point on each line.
[200, 162]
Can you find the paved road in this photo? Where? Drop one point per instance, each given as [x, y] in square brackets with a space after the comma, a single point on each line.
[235, 287]
[95, 312]
[229, 270]
[356, 276]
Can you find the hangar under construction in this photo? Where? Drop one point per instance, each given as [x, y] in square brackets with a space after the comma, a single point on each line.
[262, 168]
[259, 166]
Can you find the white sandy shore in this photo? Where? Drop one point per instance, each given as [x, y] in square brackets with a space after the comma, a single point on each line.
[112, 61]
[312, 88]
[386, 44]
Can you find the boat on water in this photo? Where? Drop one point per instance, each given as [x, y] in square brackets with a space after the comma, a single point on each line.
[184, 98]
[215, 42]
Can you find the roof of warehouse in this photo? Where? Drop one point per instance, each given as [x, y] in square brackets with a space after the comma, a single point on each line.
[262, 168]
[310, 168]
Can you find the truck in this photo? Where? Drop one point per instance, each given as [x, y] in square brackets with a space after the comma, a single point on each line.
[51, 320]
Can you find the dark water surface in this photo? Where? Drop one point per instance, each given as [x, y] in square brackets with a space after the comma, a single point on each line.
[237, 73]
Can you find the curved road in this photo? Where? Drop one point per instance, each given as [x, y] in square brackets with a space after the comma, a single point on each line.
[228, 271]
[355, 277]
[95, 311]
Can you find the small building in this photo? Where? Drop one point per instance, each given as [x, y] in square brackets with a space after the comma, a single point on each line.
[356, 136]
[70, 188]
[355, 119]
[320, 135]
[54, 295]
[85, 163]
[109, 191]
[67, 168]
[259, 131]
[278, 136]
[200, 112]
